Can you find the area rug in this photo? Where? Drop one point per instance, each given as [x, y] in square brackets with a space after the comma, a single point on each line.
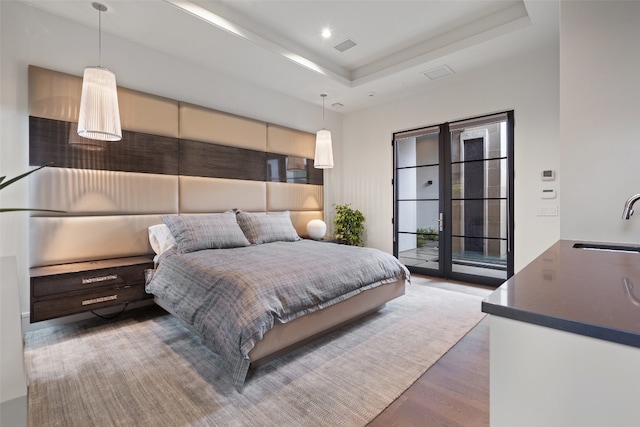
[147, 369]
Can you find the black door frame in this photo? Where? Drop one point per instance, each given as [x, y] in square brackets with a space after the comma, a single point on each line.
[445, 205]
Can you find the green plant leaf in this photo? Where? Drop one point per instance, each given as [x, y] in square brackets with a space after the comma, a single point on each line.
[27, 209]
[19, 177]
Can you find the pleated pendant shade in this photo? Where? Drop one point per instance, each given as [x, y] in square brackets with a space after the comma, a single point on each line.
[324, 152]
[99, 116]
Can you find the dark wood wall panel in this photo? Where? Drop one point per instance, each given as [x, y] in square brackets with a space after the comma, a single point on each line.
[136, 152]
[221, 161]
[314, 176]
[140, 152]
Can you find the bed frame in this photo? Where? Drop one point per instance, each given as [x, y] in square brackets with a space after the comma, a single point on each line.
[285, 337]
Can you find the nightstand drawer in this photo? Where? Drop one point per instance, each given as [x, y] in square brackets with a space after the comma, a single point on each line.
[87, 280]
[79, 302]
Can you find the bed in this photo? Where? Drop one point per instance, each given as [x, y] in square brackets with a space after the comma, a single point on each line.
[180, 160]
[251, 289]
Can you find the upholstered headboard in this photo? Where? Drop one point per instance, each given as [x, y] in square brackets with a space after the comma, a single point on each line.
[174, 157]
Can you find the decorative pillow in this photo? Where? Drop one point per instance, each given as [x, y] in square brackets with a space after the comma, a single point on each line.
[267, 227]
[211, 231]
[160, 239]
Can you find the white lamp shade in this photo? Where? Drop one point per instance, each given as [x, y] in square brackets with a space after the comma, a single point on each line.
[316, 229]
[99, 112]
[324, 152]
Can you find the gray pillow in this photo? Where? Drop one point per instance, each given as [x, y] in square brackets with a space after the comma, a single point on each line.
[210, 231]
[267, 227]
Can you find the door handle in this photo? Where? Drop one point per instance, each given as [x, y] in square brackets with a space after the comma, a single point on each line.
[440, 220]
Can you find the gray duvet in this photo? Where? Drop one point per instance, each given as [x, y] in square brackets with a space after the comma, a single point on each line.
[232, 297]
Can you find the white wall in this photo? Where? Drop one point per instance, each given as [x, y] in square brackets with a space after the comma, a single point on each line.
[527, 84]
[600, 112]
[30, 36]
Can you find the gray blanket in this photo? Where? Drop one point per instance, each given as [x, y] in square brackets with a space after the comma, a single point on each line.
[232, 297]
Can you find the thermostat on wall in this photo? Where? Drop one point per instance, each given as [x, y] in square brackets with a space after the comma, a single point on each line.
[548, 175]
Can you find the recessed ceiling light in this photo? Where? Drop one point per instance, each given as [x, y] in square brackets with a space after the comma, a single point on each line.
[326, 33]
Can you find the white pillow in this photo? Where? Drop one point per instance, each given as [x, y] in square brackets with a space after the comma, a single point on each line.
[161, 239]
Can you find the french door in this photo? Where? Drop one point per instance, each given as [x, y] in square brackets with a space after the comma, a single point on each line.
[453, 190]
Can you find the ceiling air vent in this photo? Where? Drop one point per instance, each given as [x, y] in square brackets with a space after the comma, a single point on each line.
[345, 45]
[438, 72]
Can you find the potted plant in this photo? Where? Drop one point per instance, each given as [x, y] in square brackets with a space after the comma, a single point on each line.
[349, 225]
[427, 237]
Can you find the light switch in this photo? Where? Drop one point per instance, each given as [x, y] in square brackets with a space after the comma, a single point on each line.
[548, 193]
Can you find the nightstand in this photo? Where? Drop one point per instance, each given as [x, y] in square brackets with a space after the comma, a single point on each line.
[64, 289]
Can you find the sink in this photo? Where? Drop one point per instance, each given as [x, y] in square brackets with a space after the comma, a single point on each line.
[606, 247]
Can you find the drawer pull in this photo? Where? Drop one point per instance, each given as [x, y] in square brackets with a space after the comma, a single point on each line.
[91, 280]
[99, 299]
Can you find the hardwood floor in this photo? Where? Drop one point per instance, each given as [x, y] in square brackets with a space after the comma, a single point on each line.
[455, 390]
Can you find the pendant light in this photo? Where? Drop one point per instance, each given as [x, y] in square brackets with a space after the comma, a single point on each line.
[324, 152]
[99, 116]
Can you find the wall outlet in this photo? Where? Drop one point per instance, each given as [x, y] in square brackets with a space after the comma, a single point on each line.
[548, 211]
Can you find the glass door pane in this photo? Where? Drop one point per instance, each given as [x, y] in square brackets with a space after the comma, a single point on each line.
[417, 186]
[479, 202]
[418, 233]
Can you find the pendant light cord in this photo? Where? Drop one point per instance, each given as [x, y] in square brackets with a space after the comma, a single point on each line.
[323, 95]
[100, 8]
[99, 38]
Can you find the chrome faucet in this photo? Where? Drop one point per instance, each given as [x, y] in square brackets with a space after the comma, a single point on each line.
[627, 212]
